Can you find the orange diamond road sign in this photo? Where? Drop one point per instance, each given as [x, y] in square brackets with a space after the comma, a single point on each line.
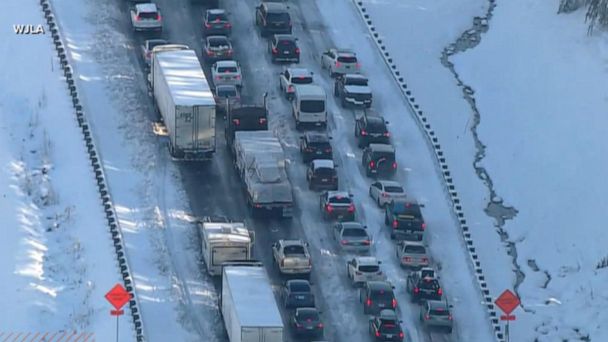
[118, 296]
[507, 302]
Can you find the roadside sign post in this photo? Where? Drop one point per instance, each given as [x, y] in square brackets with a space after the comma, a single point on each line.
[118, 297]
[507, 302]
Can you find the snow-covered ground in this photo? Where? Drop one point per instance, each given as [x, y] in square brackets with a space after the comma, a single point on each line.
[177, 301]
[539, 82]
[57, 260]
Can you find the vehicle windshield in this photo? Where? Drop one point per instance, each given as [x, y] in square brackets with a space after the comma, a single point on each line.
[369, 268]
[320, 145]
[148, 15]
[218, 42]
[354, 232]
[384, 157]
[227, 69]
[389, 327]
[356, 81]
[394, 189]
[312, 106]
[347, 59]
[405, 209]
[340, 200]
[301, 80]
[382, 295]
[293, 250]
[325, 171]
[278, 17]
[288, 43]
[217, 17]
[429, 284]
[415, 249]
[439, 312]
[300, 287]
[376, 126]
[226, 92]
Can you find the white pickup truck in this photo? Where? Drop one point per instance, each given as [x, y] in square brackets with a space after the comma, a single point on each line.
[292, 257]
[146, 17]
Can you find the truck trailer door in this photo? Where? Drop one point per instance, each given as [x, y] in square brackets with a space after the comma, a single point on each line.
[251, 335]
[185, 128]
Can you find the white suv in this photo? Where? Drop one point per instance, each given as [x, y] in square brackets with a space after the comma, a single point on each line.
[363, 269]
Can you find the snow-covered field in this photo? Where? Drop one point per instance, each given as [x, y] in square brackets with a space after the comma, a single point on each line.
[56, 257]
[540, 89]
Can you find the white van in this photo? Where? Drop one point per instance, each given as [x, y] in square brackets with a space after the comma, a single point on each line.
[309, 106]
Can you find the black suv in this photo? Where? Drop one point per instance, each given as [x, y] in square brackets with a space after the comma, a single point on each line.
[422, 286]
[386, 326]
[371, 130]
[321, 174]
[273, 18]
[215, 22]
[377, 296]
[284, 48]
[379, 160]
[405, 219]
[315, 145]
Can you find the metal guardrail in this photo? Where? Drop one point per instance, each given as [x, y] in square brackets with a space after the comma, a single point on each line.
[108, 206]
[449, 187]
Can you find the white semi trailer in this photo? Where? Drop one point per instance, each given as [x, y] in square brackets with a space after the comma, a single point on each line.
[185, 102]
[248, 306]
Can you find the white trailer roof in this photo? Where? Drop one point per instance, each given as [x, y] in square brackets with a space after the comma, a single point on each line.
[252, 296]
[185, 78]
[221, 231]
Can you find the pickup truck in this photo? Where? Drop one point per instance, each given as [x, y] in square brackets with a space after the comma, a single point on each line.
[353, 90]
[146, 17]
[292, 257]
[405, 220]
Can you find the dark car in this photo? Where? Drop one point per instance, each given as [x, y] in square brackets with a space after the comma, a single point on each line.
[379, 160]
[272, 18]
[386, 326]
[405, 219]
[284, 48]
[217, 48]
[215, 22]
[377, 296]
[422, 286]
[306, 321]
[297, 293]
[371, 130]
[245, 118]
[321, 174]
[337, 205]
[315, 145]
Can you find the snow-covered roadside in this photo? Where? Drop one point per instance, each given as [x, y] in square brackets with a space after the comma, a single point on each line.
[542, 101]
[176, 300]
[418, 174]
[416, 34]
[57, 259]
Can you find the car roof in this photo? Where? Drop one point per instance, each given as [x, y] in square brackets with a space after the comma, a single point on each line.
[316, 137]
[358, 76]
[375, 119]
[352, 225]
[299, 72]
[297, 282]
[217, 37]
[436, 304]
[225, 87]
[338, 193]
[310, 89]
[285, 37]
[367, 260]
[388, 314]
[412, 243]
[382, 148]
[323, 163]
[344, 51]
[157, 40]
[216, 11]
[389, 183]
[150, 7]
[379, 285]
[275, 7]
[227, 63]
[292, 242]
[310, 310]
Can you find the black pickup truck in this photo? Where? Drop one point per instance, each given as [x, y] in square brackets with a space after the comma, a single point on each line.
[353, 90]
[405, 219]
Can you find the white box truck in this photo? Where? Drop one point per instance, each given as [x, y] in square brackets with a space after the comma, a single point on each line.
[223, 240]
[248, 306]
[185, 102]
